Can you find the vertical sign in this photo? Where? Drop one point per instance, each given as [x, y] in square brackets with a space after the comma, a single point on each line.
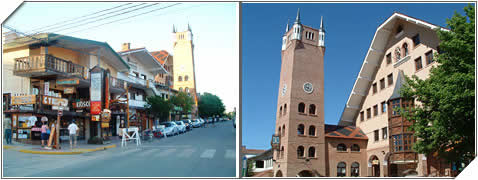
[95, 92]
[46, 89]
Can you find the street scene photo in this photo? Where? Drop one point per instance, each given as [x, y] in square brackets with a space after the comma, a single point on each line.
[120, 89]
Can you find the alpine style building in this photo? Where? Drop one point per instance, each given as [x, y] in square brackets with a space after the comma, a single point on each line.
[184, 79]
[371, 139]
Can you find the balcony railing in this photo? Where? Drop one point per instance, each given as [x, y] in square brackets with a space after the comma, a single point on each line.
[38, 65]
[116, 83]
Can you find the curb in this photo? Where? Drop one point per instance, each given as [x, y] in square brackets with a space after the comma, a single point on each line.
[8, 147]
[81, 151]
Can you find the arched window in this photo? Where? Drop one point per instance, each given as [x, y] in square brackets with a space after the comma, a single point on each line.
[282, 152]
[341, 147]
[397, 54]
[341, 169]
[312, 109]
[355, 148]
[186, 78]
[311, 152]
[186, 90]
[283, 130]
[180, 78]
[285, 109]
[279, 133]
[180, 89]
[312, 131]
[355, 169]
[301, 107]
[280, 111]
[300, 152]
[405, 49]
[300, 129]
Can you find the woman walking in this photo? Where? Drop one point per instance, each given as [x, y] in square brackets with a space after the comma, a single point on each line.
[44, 131]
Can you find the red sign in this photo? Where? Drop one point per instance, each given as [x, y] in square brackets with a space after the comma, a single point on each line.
[95, 107]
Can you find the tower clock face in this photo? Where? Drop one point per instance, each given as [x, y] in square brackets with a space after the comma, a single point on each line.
[308, 88]
[284, 89]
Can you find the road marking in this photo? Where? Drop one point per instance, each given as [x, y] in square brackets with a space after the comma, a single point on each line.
[165, 152]
[230, 154]
[208, 153]
[186, 153]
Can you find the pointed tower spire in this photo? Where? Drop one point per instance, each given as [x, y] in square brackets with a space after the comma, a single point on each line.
[297, 19]
[322, 23]
[189, 27]
[321, 33]
[174, 29]
[287, 27]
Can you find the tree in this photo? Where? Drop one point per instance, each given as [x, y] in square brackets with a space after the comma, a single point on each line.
[210, 105]
[184, 101]
[444, 119]
[159, 107]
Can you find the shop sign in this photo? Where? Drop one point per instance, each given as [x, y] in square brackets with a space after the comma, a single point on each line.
[60, 107]
[46, 89]
[54, 101]
[21, 100]
[26, 107]
[68, 82]
[106, 115]
[69, 90]
[95, 107]
[105, 124]
[81, 104]
[95, 118]
[95, 88]
[275, 142]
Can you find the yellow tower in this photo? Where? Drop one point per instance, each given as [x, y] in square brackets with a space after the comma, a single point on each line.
[183, 64]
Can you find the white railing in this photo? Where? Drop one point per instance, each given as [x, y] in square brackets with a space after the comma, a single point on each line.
[137, 103]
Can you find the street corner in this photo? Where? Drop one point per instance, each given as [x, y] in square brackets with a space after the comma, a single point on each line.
[97, 149]
[65, 152]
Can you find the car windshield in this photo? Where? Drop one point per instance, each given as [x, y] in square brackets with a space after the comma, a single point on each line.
[167, 124]
[185, 121]
[179, 123]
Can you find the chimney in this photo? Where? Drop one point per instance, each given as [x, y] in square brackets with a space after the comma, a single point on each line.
[126, 46]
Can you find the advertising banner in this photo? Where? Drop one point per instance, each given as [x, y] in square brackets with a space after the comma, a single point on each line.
[21, 100]
[95, 92]
[95, 107]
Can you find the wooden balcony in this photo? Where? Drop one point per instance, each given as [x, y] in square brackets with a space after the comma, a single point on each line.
[46, 65]
[117, 85]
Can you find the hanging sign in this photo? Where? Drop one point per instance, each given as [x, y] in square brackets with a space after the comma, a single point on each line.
[95, 92]
[95, 118]
[21, 100]
[68, 82]
[46, 88]
[54, 101]
[81, 104]
[106, 115]
[95, 107]
[105, 124]
[69, 90]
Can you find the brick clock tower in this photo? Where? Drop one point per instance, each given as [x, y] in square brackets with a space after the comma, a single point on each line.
[300, 103]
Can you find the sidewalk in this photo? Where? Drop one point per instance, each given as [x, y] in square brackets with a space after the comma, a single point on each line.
[83, 147]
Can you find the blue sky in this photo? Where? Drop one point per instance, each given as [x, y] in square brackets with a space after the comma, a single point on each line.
[349, 32]
[214, 26]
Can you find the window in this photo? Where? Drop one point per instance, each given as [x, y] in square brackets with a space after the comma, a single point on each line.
[285, 109]
[341, 147]
[416, 39]
[300, 152]
[374, 88]
[186, 89]
[143, 76]
[186, 78]
[311, 130]
[407, 142]
[369, 113]
[355, 148]
[355, 169]
[389, 58]
[397, 54]
[384, 133]
[361, 116]
[279, 133]
[390, 79]
[375, 110]
[418, 63]
[382, 83]
[180, 89]
[397, 143]
[341, 169]
[180, 78]
[395, 106]
[280, 111]
[282, 152]
[300, 129]
[384, 107]
[312, 109]
[312, 152]
[405, 49]
[375, 135]
[283, 130]
[260, 164]
[429, 56]
[301, 108]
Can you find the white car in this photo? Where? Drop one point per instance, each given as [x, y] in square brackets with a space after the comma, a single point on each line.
[170, 128]
[181, 126]
[196, 123]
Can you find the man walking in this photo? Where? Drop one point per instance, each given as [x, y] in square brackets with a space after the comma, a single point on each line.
[73, 129]
[7, 126]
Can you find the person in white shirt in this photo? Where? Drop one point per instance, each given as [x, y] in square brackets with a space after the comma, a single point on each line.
[73, 128]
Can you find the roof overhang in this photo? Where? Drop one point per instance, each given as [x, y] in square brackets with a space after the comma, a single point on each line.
[370, 64]
[143, 55]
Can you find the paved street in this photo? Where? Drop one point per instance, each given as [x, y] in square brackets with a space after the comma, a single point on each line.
[202, 152]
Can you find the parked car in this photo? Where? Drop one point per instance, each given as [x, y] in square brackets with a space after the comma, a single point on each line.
[201, 122]
[170, 128]
[188, 123]
[196, 123]
[181, 126]
[209, 120]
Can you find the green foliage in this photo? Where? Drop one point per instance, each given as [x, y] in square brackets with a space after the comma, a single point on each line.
[209, 105]
[184, 101]
[159, 107]
[445, 112]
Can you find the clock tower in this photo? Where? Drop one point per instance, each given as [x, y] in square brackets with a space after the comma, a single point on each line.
[300, 103]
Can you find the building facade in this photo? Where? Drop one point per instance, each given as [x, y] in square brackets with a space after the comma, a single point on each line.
[371, 139]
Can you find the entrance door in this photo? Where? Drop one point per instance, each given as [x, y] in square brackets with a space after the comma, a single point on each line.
[393, 170]
[376, 170]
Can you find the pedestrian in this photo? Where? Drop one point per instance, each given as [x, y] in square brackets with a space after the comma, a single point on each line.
[7, 126]
[73, 128]
[45, 131]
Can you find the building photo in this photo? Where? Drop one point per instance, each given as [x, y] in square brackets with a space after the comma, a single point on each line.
[350, 90]
[120, 89]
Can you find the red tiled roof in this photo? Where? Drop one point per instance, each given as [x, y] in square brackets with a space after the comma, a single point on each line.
[253, 151]
[160, 56]
[348, 132]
